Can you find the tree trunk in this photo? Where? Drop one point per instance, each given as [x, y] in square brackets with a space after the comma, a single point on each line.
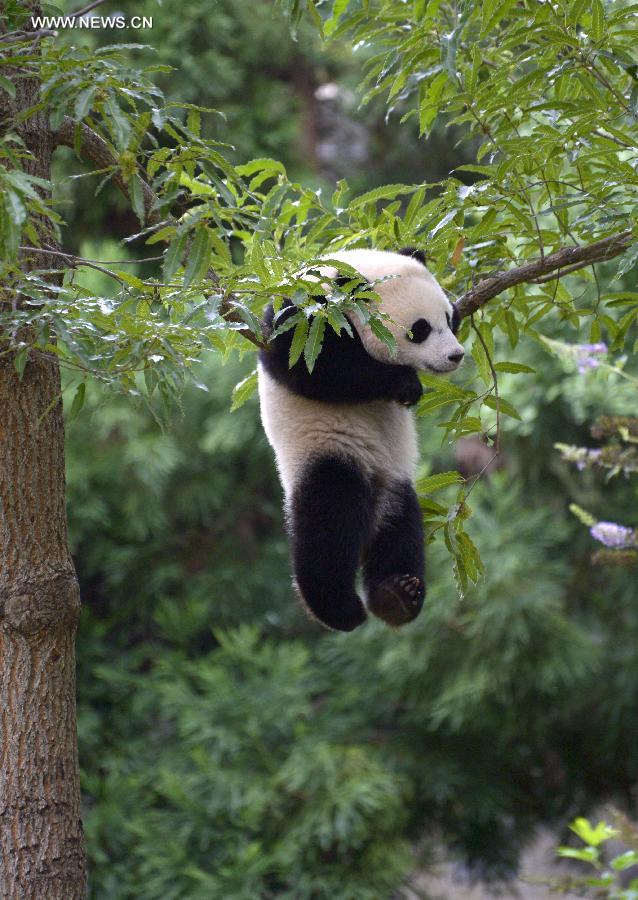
[41, 840]
[41, 844]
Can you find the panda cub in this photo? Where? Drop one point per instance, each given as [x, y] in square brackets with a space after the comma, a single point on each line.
[346, 445]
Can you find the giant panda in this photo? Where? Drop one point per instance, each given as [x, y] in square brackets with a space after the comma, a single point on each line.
[345, 443]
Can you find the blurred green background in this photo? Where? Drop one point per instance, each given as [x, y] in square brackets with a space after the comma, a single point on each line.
[229, 747]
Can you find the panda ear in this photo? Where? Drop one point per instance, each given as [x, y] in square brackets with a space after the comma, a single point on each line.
[456, 318]
[415, 253]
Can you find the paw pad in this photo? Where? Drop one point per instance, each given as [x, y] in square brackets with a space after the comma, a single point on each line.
[398, 599]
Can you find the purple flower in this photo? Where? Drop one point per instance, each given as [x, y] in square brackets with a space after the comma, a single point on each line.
[586, 456]
[588, 355]
[612, 535]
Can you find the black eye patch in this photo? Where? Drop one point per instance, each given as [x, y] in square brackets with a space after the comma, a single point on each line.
[420, 330]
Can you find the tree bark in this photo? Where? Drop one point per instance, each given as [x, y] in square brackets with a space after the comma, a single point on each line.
[41, 839]
[41, 843]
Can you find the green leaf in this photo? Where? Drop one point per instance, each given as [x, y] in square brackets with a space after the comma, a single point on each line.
[16, 209]
[20, 361]
[338, 321]
[131, 280]
[593, 836]
[429, 101]
[78, 401]
[84, 102]
[511, 326]
[314, 342]
[581, 514]
[597, 21]
[624, 860]
[431, 507]
[196, 186]
[587, 854]
[173, 257]
[298, 342]
[514, 368]
[7, 85]
[338, 9]
[502, 406]
[431, 483]
[471, 78]
[386, 192]
[243, 390]
[198, 257]
[137, 198]
[576, 9]
[482, 361]
[472, 562]
[383, 333]
[434, 400]
[119, 123]
[264, 164]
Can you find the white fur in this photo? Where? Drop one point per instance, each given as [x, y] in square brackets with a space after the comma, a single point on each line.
[380, 435]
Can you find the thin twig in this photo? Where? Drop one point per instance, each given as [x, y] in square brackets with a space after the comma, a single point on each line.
[82, 260]
[14, 36]
[75, 261]
[497, 439]
[24, 34]
[86, 9]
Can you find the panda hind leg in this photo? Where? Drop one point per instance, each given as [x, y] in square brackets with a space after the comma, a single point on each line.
[394, 566]
[330, 520]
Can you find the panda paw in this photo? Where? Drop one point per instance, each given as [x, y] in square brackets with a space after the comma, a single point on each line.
[410, 391]
[398, 600]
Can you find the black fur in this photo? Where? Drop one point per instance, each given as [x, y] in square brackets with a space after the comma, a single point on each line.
[456, 319]
[415, 253]
[421, 330]
[330, 520]
[344, 371]
[332, 530]
[342, 280]
[394, 567]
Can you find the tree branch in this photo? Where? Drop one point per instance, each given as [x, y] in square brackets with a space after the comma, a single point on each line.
[568, 258]
[86, 9]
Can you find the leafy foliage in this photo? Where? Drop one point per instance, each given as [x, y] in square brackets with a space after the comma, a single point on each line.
[608, 881]
[249, 786]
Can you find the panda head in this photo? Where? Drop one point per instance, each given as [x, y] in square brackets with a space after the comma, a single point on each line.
[421, 318]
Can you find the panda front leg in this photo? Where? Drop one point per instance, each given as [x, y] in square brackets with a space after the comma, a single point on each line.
[330, 517]
[394, 565]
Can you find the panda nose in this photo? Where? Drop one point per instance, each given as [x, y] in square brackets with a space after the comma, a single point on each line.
[456, 357]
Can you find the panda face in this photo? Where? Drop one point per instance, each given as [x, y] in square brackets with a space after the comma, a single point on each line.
[421, 318]
[424, 324]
